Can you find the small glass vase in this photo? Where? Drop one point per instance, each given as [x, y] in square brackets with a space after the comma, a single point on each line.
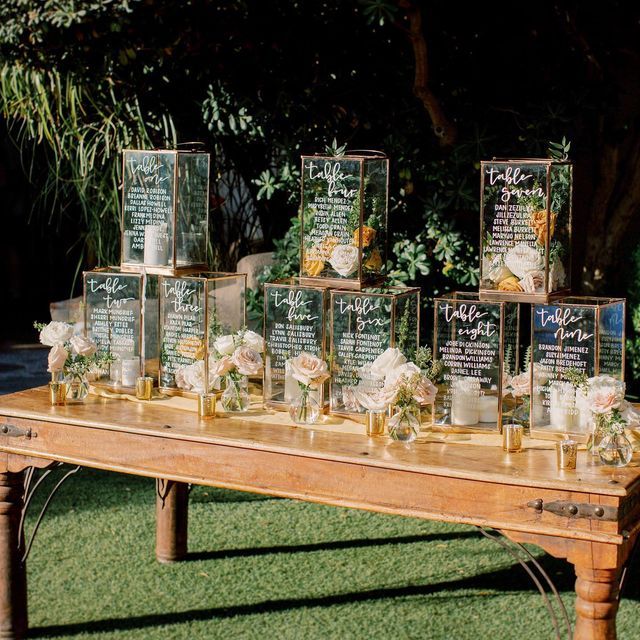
[597, 435]
[77, 388]
[404, 425]
[304, 409]
[615, 450]
[235, 397]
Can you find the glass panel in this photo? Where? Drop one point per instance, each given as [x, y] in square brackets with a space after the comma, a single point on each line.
[514, 227]
[611, 340]
[331, 192]
[360, 332]
[113, 322]
[148, 207]
[151, 327]
[193, 208]
[560, 241]
[407, 321]
[294, 322]
[564, 337]
[374, 230]
[468, 336]
[182, 331]
[226, 304]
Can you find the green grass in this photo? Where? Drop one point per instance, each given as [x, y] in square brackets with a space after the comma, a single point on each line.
[268, 568]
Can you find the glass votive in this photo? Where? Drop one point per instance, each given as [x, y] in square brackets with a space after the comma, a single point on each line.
[567, 453]
[207, 405]
[57, 393]
[144, 387]
[376, 420]
[512, 437]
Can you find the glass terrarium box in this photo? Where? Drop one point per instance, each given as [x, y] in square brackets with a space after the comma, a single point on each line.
[344, 219]
[165, 211]
[194, 311]
[121, 317]
[574, 335]
[363, 325]
[295, 320]
[525, 235]
[477, 343]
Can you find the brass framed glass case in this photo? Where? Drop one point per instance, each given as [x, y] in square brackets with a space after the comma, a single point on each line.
[584, 334]
[363, 324]
[525, 233]
[295, 320]
[344, 219]
[165, 211]
[121, 317]
[194, 311]
[477, 343]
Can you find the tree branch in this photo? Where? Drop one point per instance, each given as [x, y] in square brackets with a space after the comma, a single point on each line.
[443, 128]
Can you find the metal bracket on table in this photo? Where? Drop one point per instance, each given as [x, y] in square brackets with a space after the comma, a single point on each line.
[531, 565]
[30, 487]
[576, 509]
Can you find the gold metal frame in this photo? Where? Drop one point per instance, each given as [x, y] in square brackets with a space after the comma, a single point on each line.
[474, 297]
[534, 298]
[353, 284]
[205, 278]
[595, 303]
[174, 269]
[392, 293]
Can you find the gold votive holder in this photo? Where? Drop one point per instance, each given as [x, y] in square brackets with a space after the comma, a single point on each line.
[57, 393]
[512, 437]
[567, 453]
[207, 405]
[375, 422]
[144, 387]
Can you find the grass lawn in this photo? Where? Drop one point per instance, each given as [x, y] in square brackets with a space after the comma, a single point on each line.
[270, 568]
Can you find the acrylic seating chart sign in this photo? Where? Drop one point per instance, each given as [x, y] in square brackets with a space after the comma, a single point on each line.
[476, 342]
[344, 218]
[165, 207]
[363, 325]
[526, 229]
[581, 335]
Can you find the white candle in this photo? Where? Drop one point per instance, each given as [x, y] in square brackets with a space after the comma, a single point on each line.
[156, 244]
[488, 408]
[130, 371]
[562, 405]
[465, 396]
[115, 371]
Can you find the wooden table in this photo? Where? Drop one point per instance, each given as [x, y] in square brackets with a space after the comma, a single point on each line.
[587, 516]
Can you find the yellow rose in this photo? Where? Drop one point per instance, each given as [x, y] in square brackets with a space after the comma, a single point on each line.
[313, 267]
[368, 236]
[510, 284]
[191, 347]
[538, 222]
[374, 261]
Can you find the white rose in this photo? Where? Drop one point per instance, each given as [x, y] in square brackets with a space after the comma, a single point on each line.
[344, 259]
[254, 341]
[520, 385]
[178, 376]
[406, 370]
[386, 362]
[193, 375]
[557, 275]
[57, 357]
[224, 345]
[605, 394]
[308, 369]
[374, 399]
[349, 399]
[82, 346]
[522, 259]
[56, 333]
[247, 361]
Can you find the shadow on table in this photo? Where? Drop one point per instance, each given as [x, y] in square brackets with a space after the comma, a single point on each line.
[508, 580]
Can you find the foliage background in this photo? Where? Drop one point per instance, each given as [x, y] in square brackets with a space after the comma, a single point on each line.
[437, 88]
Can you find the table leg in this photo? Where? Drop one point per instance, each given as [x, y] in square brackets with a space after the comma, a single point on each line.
[596, 603]
[172, 508]
[13, 578]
